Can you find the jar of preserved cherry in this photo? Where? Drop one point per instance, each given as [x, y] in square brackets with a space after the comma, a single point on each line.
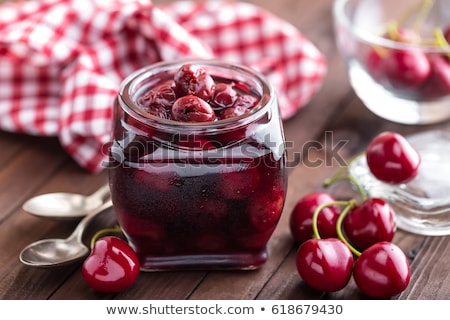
[197, 165]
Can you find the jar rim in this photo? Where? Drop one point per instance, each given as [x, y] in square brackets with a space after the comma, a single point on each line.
[129, 84]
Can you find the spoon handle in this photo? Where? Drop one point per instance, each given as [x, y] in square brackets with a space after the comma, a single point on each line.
[78, 232]
[101, 194]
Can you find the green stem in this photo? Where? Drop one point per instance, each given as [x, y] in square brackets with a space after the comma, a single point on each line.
[440, 39]
[101, 233]
[328, 182]
[392, 30]
[347, 209]
[413, 9]
[339, 176]
[361, 191]
[315, 216]
[422, 7]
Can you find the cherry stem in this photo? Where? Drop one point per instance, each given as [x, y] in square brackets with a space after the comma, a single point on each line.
[339, 176]
[423, 8]
[115, 230]
[350, 206]
[440, 39]
[315, 216]
[392, 30]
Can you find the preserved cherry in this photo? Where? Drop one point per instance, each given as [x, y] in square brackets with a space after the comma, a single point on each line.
[204, 184]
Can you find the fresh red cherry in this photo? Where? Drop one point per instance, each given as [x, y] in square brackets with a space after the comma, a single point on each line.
[325, 264]
[370, 222]
[375, 58]
[406, 69]
[192, 109]
[300, 221]
[438, 84]
[112, 266]
[194, 80]
[382, 271]
[392, 159]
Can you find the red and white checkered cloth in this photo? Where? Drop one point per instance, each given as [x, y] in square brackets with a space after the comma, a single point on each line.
[62, 61]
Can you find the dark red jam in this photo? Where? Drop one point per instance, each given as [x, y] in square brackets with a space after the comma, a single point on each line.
[197, 166]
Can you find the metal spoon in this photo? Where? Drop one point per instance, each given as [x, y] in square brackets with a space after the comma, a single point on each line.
[55, 252]
[64, 206]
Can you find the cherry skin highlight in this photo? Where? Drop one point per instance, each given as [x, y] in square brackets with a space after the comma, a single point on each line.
[438, 84]
[300, 221]
[370, 222]
[406, 68]
[392, 159]
[112, 266]
[382, 271]
[325, 264]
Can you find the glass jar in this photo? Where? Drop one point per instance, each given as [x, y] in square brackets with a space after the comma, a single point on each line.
[198, 195]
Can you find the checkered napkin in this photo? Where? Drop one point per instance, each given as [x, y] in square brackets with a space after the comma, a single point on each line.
[62, 61]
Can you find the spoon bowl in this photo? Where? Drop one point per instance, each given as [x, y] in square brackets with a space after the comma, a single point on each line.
[65, 206]
[52, 252]
[56, 252]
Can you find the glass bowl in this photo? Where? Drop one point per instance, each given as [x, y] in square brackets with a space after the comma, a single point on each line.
[422, 206]
[398, 56]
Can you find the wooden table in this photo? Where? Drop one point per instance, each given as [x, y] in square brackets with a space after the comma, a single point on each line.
[36, 165]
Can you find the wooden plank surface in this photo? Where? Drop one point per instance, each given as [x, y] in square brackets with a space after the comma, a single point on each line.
[35, 165]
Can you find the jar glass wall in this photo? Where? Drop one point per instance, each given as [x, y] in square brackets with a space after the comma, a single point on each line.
[198, 195]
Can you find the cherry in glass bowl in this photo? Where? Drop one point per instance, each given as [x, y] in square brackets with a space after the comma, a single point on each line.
[398, 56]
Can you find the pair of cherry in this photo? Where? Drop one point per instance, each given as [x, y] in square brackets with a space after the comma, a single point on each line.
[325, 258]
